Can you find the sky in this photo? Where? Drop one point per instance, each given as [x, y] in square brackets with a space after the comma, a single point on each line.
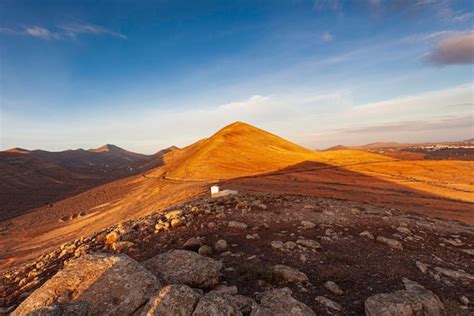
[145, 75]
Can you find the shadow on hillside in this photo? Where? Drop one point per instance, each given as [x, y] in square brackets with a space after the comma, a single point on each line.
[324, 180]
[28, 184]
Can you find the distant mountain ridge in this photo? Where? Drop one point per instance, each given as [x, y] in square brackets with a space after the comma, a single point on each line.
[30, 178]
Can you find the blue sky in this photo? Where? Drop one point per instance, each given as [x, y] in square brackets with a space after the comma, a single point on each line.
[149, 74]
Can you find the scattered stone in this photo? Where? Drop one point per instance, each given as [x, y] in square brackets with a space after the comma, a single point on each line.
[404, 230]
[280, 302]
[392, 243]
[309, 243]
[92, 279]
[367, 234]
[422, 266]
[174, 214]
[414, 300]
[211, 225]
[222, 288]
[77, 308]
[220, 303]
[452, 242]
[455, 274]
[252, 236]
[289, 275]
[220, 245]
[308, 224]
[303, 258]
[324, 301]
[464, 300]
[193, 243]
[237, 225]
[277, 244]
[205, 250]
[172, 300]
[289, 245]
[111, 238]
[185, 267]
[333, 287]
[176, 222]
[122, 246]
[468, 251]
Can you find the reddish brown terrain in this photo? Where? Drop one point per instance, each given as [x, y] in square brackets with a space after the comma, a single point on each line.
[252, 161]
[37, 178]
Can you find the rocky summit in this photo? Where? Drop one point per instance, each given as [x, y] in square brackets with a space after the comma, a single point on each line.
[255, 254]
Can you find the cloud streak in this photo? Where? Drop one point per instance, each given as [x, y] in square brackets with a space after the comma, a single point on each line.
[62, 32]
[454, 50]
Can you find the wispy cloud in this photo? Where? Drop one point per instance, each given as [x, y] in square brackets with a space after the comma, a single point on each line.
[41, 32]
[457, 49]
[327, 4]
[327, 37]
[73, 30]
[66, 31]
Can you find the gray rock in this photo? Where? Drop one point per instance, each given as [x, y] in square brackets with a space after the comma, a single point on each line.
[77, 308]
[289, 275]
[185, 267]
[277, 244]
[367, 234]
[223, 304]
[455, 274]
[308, 224]
[404, 230]
[468, 251]
[324, 301]
[392, 243]
[414, 300]
[237, 225]
[333, 287]
[109, 284]
[220, 245]
[422, 266]
[193, 243]
[309, 243]
[172, 300]
[279, 302]
[205, 250]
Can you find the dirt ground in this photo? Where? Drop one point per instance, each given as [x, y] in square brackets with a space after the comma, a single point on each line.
[359, 265]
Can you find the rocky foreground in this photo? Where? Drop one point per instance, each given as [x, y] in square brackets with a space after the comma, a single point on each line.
[255, 254]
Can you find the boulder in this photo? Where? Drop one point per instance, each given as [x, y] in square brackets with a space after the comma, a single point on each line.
[185, 267]
[289, 275]
[77, 308]
[414, 300]
[279, 302]
[327, 303]
[223, 304]
[109, 284]
[172, 300]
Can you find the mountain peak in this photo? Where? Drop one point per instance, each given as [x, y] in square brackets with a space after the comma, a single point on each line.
[237, 149]
[18, 150]
[107, 148]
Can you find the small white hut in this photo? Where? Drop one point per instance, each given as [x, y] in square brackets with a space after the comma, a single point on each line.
[216, 192]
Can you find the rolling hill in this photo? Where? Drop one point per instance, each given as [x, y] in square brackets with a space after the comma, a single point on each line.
[38, 177]
[245, 158]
